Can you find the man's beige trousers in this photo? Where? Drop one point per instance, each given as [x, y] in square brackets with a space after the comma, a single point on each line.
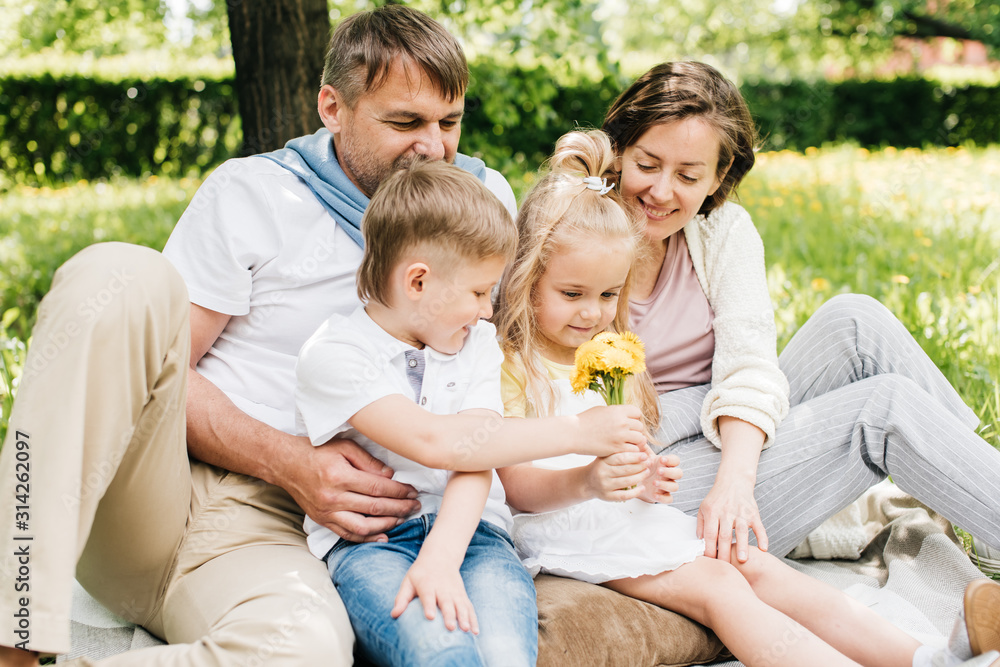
[95, 482]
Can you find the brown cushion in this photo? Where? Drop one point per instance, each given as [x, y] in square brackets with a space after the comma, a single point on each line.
[584, 624]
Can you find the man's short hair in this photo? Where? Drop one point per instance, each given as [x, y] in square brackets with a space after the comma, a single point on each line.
[436, 205]
[364, 46]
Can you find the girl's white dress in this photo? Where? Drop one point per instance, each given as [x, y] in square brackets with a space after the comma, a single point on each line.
[597, 541]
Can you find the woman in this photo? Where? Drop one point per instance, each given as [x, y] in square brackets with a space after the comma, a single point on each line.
[861, 400]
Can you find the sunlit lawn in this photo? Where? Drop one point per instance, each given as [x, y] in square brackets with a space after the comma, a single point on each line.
[918, 230]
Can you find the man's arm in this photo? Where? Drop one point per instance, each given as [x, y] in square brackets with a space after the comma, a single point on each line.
[338, 484]
[434, 576]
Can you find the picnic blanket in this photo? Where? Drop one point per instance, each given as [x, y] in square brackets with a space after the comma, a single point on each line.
[891, 553]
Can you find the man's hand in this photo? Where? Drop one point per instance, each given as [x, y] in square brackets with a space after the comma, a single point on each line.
[438, 585]
[344, 488]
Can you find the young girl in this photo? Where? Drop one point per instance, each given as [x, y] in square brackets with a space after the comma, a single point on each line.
[568, 282]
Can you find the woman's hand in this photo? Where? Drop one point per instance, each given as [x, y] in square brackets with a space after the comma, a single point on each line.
[730, 505]
[439, 586]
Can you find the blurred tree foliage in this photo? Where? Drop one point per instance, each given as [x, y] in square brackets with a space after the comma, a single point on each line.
[758, 38]
[565, 37]
[111, 27]
[790, 38]
[102, 27]
[868, 22]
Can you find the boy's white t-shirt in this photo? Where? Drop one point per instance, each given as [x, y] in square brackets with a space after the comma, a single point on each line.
[256, 244]
[351, 362]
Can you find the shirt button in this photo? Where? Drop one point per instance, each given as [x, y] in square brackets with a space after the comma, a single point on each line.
[423, 401]
[413, 363]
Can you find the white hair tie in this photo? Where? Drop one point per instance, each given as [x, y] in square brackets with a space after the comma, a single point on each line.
[598, 184]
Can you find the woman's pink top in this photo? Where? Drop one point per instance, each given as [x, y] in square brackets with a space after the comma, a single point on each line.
[675, 323]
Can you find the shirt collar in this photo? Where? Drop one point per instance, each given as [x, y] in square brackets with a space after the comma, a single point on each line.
[383, 340]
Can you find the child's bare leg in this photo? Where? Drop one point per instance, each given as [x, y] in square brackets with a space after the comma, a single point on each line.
[714, 594]
[839, 620]
[13, 657]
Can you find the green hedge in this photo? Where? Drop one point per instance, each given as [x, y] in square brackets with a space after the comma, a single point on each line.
[71, 127]
[901, 113]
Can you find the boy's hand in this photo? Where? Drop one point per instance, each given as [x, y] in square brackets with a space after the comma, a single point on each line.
[664, 471]
[438, 586]
[610, 429]
[618, 477]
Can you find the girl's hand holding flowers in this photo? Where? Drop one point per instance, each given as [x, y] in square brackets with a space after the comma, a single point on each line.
[602, 365]
[618, 477]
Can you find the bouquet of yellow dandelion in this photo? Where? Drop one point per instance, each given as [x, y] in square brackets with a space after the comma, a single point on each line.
[603, 363]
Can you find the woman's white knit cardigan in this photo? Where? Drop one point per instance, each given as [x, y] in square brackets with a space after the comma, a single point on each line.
[728, 257]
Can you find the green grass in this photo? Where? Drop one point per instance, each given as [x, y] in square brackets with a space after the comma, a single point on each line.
[40, 228]
[918, 230]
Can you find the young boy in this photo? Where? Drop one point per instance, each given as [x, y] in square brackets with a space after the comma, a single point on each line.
[436, 242]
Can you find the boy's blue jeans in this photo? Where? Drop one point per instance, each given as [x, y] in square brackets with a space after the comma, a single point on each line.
[368, 577]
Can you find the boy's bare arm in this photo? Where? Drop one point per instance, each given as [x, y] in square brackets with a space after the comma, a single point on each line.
[482, 439]
[434, 577]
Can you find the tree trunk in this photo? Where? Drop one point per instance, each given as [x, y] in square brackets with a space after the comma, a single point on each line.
[278, 46]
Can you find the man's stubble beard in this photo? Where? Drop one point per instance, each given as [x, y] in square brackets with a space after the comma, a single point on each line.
[365, 167]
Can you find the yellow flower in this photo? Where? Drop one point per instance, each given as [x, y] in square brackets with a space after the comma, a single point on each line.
[630, 343]
[616, 360]
[901, 279]
[580, 380]
[603, 363]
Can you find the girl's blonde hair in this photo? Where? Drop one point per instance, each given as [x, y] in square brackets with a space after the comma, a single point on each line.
[561, 212]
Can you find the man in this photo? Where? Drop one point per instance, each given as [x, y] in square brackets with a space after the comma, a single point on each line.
[209, 553]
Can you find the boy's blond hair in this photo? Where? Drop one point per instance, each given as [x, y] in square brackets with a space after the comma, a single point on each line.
[433, 204]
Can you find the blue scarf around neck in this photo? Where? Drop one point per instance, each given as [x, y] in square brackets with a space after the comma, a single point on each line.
[313, 159]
